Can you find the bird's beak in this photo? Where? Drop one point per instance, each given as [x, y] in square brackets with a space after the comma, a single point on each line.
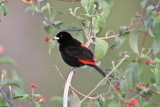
[55, 38]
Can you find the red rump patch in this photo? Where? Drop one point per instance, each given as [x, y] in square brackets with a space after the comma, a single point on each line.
[84, 45]
[87, 62]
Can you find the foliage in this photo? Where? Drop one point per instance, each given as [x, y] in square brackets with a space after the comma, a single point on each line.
[3, 8]
[92, 22]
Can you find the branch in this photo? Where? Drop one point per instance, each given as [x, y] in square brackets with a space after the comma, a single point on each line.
[66, 88]
[113, 36]
[10, 104]
[73, 87]
[82, 26]
[126, 56]
[148, 99]
[154, 91]
[131, 28]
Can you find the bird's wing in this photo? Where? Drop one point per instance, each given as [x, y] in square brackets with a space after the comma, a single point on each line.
[80, 52]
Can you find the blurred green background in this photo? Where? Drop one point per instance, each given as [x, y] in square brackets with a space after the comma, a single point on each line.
[23, 38]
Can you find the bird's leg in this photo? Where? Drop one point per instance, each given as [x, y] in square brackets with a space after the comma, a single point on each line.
[72, 69]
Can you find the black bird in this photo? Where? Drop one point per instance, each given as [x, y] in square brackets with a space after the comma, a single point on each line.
[74, 53]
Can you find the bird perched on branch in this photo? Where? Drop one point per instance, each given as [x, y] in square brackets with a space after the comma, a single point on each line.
[74, 53]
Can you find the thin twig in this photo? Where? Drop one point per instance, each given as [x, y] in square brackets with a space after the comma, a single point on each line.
[126, 98]
[142, 45]
[73, 87]
[126, 56]
[131, 28]
[10, 104]
[32, 101]
[116, 35]
[148, 99]
[154, 91]
[113, 88]
[82, 26]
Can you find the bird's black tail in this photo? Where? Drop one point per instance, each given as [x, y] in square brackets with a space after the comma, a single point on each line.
[101, 72]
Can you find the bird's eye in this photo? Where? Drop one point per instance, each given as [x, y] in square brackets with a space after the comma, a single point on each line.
[61, 36]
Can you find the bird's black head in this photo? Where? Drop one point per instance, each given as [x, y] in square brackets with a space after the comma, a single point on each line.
[63, 37]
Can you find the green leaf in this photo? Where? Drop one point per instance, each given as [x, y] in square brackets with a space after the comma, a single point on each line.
[153, 79]
[37, 104]
[106, 6]
[16, 78]
[3, 10]
[9, 82]
[39, 1]
[156, 45]
[157, 76]
[75, 100]
[3, 102]
[25, 96]
[123, 87]
[58, 23]
[51, 44]
[101, 100]
[7, 60]
[55, 14]
[49, 29]
[84, 22]
[85, 3]
[100, 48]
[143, 3]
[32, 8]
[91, 7]
[75, 10]
[131, 74]
[79, 37]
[147, 94]
[149, 23]
[100, 23]
[122, 30]
[113, 104]
[118, 42]
[16, 97]
[148, 104]
[44, 7]
[133, 41]
[109, 32]
[18, 91]
[156, 28]
[57, 99]
[149, 10]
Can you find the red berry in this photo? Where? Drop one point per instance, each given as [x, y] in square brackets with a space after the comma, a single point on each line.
[1, 49]
[134, 100]
[143, 85]
[148, 61]
[88, 106]
[20, 106]
[130, 104]
[33, 85]
[139, 84]
[146, 32]
[157, 13]
[48, 38]
[28, 0]
[41, 99]
[117, 88]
